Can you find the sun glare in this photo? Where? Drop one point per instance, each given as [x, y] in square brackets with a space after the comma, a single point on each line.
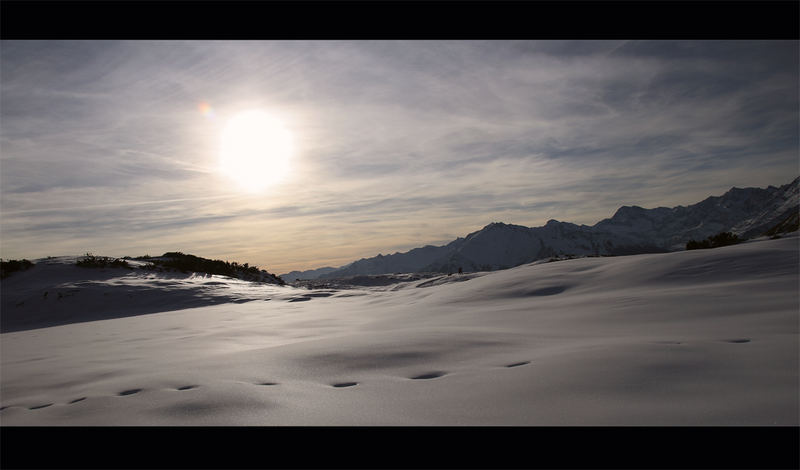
[255, 150]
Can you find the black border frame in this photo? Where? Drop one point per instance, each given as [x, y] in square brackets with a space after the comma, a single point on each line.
[399, 447]
[398, 19]
[493, 447]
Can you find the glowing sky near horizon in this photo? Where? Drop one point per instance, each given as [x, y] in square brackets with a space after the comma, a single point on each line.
[113, 147]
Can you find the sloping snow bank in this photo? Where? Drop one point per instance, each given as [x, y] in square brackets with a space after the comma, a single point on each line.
[56, 292]
[706, 337]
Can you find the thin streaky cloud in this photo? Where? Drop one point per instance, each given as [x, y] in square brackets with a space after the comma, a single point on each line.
[398, 143]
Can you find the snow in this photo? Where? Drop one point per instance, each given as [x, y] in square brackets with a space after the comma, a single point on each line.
[702, 337]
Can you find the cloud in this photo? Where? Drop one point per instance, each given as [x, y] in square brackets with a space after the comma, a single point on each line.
[400, 143]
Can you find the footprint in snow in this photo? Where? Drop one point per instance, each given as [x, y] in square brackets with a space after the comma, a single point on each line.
[77, 400]
[40, 406]
[186, 387]
[344, 384]
[738, 340]
[517, 364]
[129, 392]
[429, 375]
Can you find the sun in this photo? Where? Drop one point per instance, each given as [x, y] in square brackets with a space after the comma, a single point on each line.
[255, 150]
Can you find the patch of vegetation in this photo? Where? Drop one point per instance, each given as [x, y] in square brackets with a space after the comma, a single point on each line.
[553, 259]
[92, 261]
[13, 265]
[789, 224]
[185, 263]
[714, 241]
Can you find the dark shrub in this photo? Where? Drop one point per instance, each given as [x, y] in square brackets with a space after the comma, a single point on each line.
[92, 261]
[14, 265]
[714, 241]
[177, 261]
[695, 245]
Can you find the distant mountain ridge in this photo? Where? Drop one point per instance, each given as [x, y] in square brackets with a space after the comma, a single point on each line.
[309, 274]
[747, 212]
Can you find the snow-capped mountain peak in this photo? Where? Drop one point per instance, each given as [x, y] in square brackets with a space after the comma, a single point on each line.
[747, 212]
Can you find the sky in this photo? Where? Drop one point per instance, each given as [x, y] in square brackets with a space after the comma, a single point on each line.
[113, 147]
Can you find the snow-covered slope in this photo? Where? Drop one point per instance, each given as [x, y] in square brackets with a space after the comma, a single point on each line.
[56, 291]
[746, 212]
[702, 337]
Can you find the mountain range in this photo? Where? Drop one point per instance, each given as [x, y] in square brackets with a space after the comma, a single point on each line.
[746, 212]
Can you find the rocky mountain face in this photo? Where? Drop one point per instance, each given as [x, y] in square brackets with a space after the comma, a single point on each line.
[747, 212]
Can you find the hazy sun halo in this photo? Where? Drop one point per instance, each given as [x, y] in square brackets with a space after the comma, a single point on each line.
[255, 150]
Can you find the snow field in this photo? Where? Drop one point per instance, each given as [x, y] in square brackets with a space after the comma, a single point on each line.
[706, 337]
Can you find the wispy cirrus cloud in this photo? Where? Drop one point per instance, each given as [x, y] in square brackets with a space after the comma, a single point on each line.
[399, 143]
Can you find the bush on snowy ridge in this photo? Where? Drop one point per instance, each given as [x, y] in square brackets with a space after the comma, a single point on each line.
[714, 241]
[92, 261]
[175, 260]
[14, 265]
